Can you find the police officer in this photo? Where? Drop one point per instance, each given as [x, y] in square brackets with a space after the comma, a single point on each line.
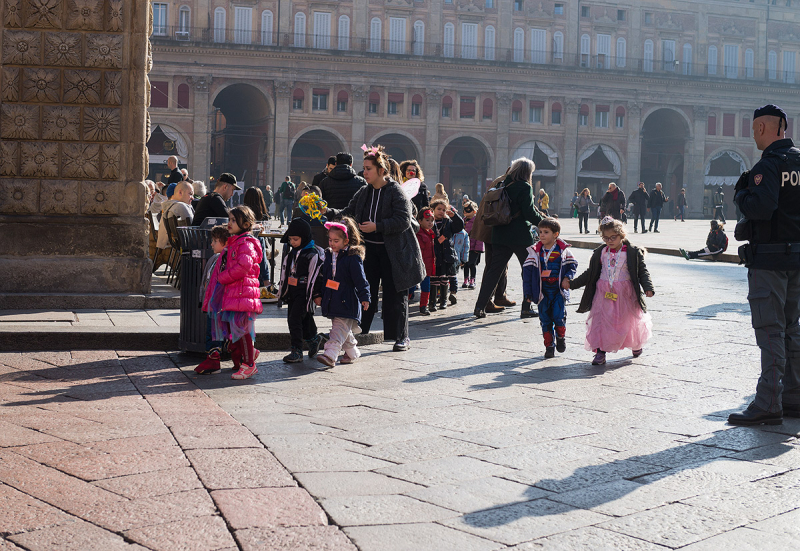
[769, 198]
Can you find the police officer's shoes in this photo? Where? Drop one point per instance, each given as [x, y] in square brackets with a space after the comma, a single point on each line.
[755, 416]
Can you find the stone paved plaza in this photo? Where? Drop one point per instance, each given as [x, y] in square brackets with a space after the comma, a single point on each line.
[470, 441]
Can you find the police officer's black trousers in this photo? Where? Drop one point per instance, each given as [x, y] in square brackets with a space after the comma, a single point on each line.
[775, 308]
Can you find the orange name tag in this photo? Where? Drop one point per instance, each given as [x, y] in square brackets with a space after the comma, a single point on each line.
[442, 239]
[292, 281]
[545, 273]
[331, 284]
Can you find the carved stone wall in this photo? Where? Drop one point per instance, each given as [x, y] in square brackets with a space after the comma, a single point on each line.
[73, 119]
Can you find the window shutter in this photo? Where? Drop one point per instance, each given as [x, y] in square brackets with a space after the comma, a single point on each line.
[219, 25]
[488, 108]
[266, 28]
[159, 94]
[449, 40]
[538, 46]
[467, 108]
[396, 97]
[622, 52]
[322, 30]
[488, 43]
[344, 33]
[469, 40]
[243, 25]
[374, 97]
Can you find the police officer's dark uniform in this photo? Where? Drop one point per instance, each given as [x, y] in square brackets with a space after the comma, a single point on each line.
[719, 205]
[769, 198]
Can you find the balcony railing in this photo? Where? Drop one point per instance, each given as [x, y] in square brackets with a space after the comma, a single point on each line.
[547, 59]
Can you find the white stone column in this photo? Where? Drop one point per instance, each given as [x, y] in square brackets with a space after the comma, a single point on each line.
[502, 155]
[568, 169]
[433, 106]
[360, 96]
[283, 106]
[634, 148]
[200, 166]
[694, 163]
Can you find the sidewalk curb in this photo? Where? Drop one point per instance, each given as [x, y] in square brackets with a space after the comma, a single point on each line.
[54, 301]
[725, 257]
[73, 338]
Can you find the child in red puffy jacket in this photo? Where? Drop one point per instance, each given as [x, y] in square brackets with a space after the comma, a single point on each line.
[425, 236]
[233, 295]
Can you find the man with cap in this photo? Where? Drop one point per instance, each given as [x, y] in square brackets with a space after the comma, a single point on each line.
[769, 198]
[212, 205]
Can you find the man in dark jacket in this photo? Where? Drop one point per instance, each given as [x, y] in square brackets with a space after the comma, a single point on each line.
[342, 183]
[719, 205]
[639, 199]
[324, 174]
[213, 204]
[716, 244]
[613, 202]
[657, 200]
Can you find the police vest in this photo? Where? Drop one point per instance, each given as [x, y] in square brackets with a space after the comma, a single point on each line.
[784, 226]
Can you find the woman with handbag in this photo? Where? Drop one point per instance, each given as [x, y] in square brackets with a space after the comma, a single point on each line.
[514, 237]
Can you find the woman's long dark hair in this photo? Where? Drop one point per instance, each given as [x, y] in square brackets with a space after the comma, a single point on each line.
[254, 199]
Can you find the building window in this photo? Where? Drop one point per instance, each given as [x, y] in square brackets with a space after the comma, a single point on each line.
[416, 109]
[344, 33]
[745, 127]
[712, 125]
[266, 28]
[488, 109]
[375, 35]
[159, 19]
[559, 9]
[586, 48]
[788, 67]
[488, 43]
[319, 100]
[419, 38]
[647, 63]
[322, 30]
[466, 108]
[558, 45]
[687, 59]
[731, 61]
[728, 124]
[517, 5]
[490, 4]
[555, 113]
[300, 30]
[585, 11]
[445, 111]
[712, 60]
[621, 15]
[622, 53]
[159, 94]
[519, 45]
[668, 55]
[447, 106]
[749, 60]
[583, 116]
[183, 96]
[516, 111]
[341, 106]
[184, 22]
[648, 18]
[772, 64]
[397, 35]
[603, 51]
[219, 25]
[242, 25]
[449, 40]
[374, 101]
[536, 112]
[297, 104]
[391, 108]
[469, 40]
[620, 118]
[373, 108]
[601, 118]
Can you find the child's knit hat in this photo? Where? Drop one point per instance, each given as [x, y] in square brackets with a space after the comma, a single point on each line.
[298, 228]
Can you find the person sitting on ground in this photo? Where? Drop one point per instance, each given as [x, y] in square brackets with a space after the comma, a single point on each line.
[342, 182]
[213, 205]
[716, 244]
[180, 206]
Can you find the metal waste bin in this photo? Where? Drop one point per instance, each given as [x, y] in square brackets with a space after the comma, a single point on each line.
[196, 250]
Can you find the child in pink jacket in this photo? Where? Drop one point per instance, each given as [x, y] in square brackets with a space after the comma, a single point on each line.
[233, 293]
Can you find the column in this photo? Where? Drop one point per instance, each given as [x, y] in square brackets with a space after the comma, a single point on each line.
[694, 163]
[568, 169]
[283, 106]
[74, 160]
[360, 96]
[285, 17]
[634, 148]
[433, 106]
[505, 38]
[502, 155]
[200, 166]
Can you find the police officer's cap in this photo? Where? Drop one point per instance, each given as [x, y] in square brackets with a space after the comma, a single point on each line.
[769, 110]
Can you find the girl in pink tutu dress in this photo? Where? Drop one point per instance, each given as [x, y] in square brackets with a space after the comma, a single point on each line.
[614, 282]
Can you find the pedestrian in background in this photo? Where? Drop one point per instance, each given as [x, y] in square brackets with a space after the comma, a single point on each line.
[657, 200]
[639, 199]
[544, 201]
[585, 204]
[681, 205]
[716, 244]
[285, 199]
[613, 202]
[614, 281]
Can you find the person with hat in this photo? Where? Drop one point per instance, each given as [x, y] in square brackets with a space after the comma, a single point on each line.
[769, 197]
[212, 205]
[299, 271]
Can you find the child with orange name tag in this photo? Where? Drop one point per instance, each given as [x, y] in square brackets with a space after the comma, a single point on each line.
[614, 282]
[446, 223]
[342, 291]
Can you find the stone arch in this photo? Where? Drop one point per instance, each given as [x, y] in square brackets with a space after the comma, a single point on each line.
[481, 139]
[158, 151]
[719, 150]
[687, 121]
[547, 159]
[309, 150]
[465, 162]
[598, 174]
[665, 134]
[413, 143]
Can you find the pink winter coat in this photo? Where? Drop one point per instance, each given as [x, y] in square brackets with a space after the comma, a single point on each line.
[240, 275]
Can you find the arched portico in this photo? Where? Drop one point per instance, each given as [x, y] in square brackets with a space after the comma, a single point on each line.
[164, 141]
[401, 145]
[309, 152]
[464, 164]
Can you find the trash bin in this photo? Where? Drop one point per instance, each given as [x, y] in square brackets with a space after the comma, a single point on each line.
[196, 246]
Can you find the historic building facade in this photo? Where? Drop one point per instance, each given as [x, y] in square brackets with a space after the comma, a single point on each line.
[593, 91]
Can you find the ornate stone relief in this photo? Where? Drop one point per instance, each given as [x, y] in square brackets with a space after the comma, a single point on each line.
[21, 48]
[104, 50]
[58, 197]
[81, 86]
[41, 85]
[434, 95]
[62, 49]
[115, 21]
[61, 123]
[112, 88]
[99, 197]
[44, 14]
[101, 124]
[19, 122]
[360, 93]
[86, 15]
[283, 88]
[19, 196]
[81, 160]
[9, 157]
[504, 99]
[200, 84]
[110, 157]
[13, 13]
[40, 159]
[10, 85]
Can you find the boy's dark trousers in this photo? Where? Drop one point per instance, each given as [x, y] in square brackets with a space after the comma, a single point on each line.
[552, 313]
[301, 323]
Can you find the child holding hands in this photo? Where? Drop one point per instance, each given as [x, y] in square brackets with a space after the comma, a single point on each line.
[342, 291]
[446, 223]
[614, 281]
[546, 274]
[426, 237]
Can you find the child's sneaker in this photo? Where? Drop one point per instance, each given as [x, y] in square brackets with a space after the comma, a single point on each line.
[245, 372]
[326, 361]
[347, 359]
[637, 353]
[550, 352]
[684, 254]
[453, 299]
[599, 358]
[423, 311]
[295, 356]
[561, 344]
[314, 344]
[432, 305]
[465, 285]
[472, 283]
[210, 364]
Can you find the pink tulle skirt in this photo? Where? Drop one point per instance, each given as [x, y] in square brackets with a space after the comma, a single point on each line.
[616, 324]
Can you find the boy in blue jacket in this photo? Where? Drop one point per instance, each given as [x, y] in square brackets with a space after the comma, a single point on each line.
[549, 265]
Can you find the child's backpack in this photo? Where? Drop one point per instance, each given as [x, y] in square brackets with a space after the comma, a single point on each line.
[725, 245]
